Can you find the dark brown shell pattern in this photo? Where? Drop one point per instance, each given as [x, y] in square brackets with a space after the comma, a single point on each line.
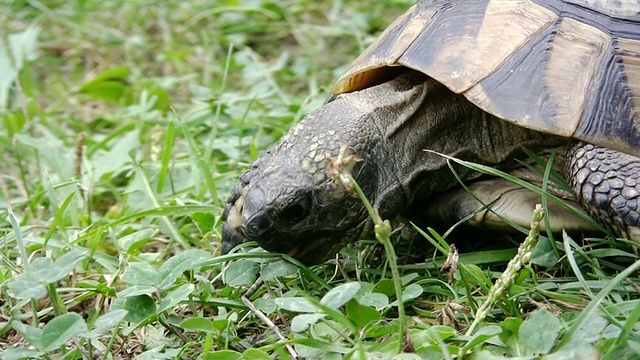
[570, 68]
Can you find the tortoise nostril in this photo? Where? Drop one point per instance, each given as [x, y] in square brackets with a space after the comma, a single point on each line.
[257, 225]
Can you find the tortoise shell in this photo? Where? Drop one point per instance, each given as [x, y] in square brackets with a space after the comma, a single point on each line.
[567, 67]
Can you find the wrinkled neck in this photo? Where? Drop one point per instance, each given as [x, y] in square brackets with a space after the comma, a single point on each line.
[436, 121]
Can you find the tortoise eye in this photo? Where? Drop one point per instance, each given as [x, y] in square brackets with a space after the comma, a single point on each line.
[297, 210]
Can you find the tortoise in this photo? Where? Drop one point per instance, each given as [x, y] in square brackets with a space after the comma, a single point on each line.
[478, 80]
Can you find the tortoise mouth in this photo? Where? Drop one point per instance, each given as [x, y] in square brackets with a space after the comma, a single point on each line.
[320, 249]
[307, 251]
[310, 248]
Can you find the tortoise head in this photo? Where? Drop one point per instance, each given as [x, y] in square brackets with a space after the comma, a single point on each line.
[289, 202]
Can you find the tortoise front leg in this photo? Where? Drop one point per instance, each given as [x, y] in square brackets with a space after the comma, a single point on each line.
[497, 204]
[607, 183]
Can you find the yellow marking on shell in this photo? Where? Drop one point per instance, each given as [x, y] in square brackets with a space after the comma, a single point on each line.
[479, 96]
[409, 34]
[630, 55]
[622, 8]
[575, 57]
[483, 46]
[367, 68]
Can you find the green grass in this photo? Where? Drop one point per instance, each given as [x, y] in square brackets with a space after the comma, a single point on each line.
[124, 126]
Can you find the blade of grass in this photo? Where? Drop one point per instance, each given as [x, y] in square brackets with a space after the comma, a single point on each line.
[173, 231]
[523, 256]
[201, 164]
[58, 217]
[494, 172]
[169, 137]
[216, 117]
[595, 302]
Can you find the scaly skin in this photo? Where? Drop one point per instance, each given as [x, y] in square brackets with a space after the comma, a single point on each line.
[288, 203]
[607, 183]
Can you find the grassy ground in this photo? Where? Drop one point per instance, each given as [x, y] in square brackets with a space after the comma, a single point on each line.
[124, 126]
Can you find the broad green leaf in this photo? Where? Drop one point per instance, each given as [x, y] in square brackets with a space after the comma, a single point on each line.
[23, 289]
[377, 300]
[255, 354]
[223, 355]
[63, 265]
[14, 122]
[174, 268]
[106, 323]
[361, 315]
[135, 240]
[265, 305]
[340, 294]
[157, 351]
[539, 332]
[114, 159]
[543, 254]
[198, 324]
[61, 329]
[110, 85]
[322, 345]
[136, 290]
[181, 293]
[277, 269]
[205, 221]
[33, 335]
[411, 292]
[241, 272]
[511, 332]
[19, 354]
[140, 273]
[139, 308]
[40, 269]
[431, 342]
[222, 324]
[110, 91]
[437, 334]
[301, 322]
[407, 279]
[385, 286]
[296, 304]
[482, 335]
[117, 73]
[592, 328]
[579, 350]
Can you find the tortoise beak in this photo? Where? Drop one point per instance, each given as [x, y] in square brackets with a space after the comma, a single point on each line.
[317, 252]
